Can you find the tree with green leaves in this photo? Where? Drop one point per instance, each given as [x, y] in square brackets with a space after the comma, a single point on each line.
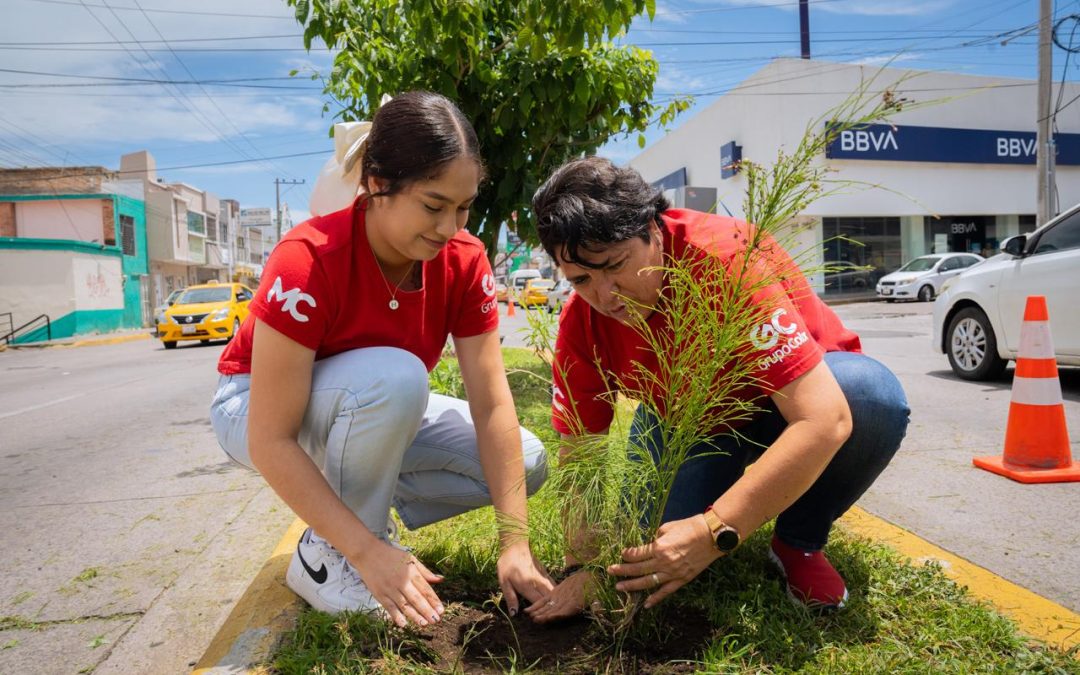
[542, 82]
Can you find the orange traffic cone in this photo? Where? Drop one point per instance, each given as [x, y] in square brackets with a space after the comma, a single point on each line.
[1036, 440]
[509, 306]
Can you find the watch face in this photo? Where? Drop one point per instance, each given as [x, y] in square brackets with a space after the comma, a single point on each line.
[727, 539]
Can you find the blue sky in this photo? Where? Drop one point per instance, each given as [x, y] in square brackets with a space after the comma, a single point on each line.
[61, 107]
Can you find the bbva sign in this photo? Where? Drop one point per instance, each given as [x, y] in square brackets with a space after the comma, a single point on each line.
[886, 142]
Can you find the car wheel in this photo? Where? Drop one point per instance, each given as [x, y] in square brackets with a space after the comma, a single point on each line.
[972, 346]
[926, 293]
[169, 345]
[235, 329]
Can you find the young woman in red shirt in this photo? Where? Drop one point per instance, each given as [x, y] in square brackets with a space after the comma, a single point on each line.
[325, 389]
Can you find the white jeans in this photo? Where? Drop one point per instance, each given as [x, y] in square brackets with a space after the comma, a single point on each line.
[381, 439]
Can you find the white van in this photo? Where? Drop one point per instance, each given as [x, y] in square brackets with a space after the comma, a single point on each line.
[519, 278]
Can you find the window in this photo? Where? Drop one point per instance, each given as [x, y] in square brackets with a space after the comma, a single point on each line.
[950, 264]
[1061, 237]
[196, 223]
[968, 261]
[867, 248]
[243, 295]
[127, 234]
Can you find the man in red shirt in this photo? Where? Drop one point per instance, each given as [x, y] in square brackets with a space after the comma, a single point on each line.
[831, 417]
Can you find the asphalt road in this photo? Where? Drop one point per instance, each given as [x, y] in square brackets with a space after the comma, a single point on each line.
[128, 535]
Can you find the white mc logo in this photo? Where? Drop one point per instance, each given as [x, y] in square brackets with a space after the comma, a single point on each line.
[290, 299]
[768, 334]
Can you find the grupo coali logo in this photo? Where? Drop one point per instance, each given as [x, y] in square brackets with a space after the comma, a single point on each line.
[768, 334]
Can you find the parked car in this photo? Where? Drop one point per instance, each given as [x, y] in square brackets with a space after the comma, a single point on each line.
[978, 315]
[500, 291]
[923, 277]
[535, 292]
[519, 278]
[205, 312]
[159, 311]
[559, 296]
[844, 275]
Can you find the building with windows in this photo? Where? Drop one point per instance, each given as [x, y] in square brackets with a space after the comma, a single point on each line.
[954, 171]
[86, 249]
[73, 253]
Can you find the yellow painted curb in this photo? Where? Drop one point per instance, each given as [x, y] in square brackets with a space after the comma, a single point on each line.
[264, 612]
[1040, 618]
[117, 339]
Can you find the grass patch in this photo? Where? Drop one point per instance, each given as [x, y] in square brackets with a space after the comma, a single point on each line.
[736, 617]
[86, 575]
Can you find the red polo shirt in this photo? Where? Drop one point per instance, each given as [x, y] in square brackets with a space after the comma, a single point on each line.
[323, 288]
[596, 355]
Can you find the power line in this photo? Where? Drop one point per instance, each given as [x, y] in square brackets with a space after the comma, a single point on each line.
[716, 10]
[90, 43]
[209, 98]
[171, 11]
[211, 164]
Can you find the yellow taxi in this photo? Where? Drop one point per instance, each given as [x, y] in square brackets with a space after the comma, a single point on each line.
[210, 311]
[535, 292]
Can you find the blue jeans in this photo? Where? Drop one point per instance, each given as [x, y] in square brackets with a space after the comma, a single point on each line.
[381, 438]
[879, 412]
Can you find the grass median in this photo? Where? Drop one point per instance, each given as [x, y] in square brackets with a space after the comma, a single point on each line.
[736, 617]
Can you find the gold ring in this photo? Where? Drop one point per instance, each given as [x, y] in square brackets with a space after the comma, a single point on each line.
[655, 579]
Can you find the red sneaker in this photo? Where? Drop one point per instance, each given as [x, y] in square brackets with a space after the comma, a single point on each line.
[811, 578]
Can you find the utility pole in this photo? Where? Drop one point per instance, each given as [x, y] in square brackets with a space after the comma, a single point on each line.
[278, 182]
[1044, 141]
[804, 27]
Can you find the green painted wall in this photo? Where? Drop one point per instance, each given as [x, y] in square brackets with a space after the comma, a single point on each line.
[76, 323]
[134, 266]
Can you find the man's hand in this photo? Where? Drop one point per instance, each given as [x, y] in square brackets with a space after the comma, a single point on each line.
[521, 574]
[565, 600]
[681, 550]
[401, 584]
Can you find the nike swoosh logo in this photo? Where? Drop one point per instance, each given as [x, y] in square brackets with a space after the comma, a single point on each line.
[318, 577]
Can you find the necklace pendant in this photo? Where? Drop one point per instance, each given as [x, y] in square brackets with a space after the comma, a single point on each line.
[394, 304]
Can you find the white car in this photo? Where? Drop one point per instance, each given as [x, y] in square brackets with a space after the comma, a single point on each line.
[978, 315]
[923, 277]
[159, 311]
[558, 296]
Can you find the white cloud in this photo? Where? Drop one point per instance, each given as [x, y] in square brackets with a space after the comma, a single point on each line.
[667, 14]
[140, 115]
[673, 80]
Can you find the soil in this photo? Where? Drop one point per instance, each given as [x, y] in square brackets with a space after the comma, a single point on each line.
[475, 636]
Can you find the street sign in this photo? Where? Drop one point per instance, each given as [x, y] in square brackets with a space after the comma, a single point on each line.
[256, 217]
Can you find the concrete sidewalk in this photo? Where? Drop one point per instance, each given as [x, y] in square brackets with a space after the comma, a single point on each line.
[89, 340]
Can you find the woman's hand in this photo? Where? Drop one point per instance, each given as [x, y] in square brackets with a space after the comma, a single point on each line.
[565, 600]
[401, 584]
[681, 550]
[520, 573]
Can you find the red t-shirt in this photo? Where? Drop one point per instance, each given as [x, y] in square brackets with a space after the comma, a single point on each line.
[323, 288]
[595, 354]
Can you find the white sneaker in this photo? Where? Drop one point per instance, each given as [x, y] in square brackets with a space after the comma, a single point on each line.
[320, 574]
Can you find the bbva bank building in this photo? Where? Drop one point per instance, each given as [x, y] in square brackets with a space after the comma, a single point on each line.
[955, 175]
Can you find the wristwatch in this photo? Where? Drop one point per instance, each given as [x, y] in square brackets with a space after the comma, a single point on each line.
[725, 537]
